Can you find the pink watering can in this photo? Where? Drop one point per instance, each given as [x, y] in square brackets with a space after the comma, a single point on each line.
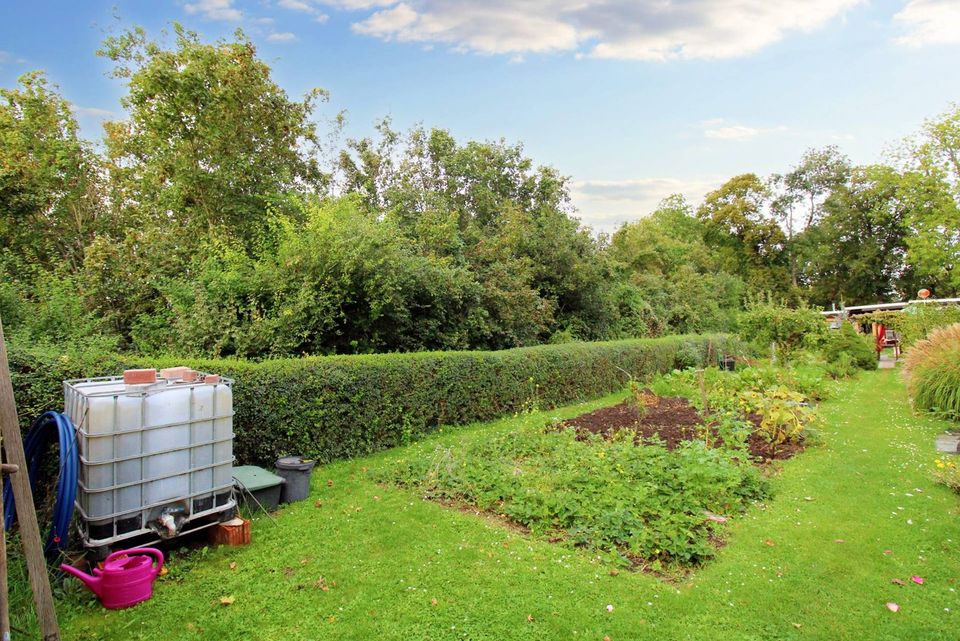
[126, 578]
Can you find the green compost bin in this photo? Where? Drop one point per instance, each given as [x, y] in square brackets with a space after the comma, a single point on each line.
[257, 487]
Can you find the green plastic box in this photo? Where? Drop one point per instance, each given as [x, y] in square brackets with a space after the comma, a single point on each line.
[257, 485]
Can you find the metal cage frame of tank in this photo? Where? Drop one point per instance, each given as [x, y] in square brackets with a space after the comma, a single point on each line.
[223, 499]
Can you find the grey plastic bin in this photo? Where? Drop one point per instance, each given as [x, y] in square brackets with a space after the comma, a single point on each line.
[295, 470]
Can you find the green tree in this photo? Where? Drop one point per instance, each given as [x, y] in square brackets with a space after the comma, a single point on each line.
[856, 254]
[212, 144]
[675, 273]
[931, 185]
[747, 239]
[802, 192]
[50, 203]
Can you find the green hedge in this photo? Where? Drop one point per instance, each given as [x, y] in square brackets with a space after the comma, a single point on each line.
[344, 406]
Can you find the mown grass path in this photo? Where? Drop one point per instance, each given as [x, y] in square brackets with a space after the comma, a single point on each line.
[816, 562]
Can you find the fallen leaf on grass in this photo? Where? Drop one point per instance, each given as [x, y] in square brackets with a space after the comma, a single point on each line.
[329, 482]
[607, 639]
[917, 579]
[529, 618]
[888, 552]
[321, 584]
[434, 602]
[893, 607]
[318, 504]
[233, 565]
[839, 541]
[768, 542]
[797, 625]
[227, 600]
[897, 582]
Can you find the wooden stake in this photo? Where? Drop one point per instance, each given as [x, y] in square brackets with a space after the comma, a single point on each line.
[12, 443]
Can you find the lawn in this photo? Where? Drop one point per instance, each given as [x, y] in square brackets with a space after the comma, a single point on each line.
[361, 561]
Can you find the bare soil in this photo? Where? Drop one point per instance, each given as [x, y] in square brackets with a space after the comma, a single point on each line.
[672, 420]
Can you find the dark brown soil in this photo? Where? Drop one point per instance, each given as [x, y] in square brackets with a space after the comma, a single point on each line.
[672, 420]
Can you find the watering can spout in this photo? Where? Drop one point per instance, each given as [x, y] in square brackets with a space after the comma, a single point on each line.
[92, 582]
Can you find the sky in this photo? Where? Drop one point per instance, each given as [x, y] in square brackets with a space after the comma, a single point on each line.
[632, 99]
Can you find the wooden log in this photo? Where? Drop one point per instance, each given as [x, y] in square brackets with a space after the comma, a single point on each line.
[234, 532]
[12, 443]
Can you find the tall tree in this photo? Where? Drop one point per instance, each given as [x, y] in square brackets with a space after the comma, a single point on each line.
[747, 238]
[856, 253]
[49, 183]
[212, 143]
[932, 186]
[803, 190]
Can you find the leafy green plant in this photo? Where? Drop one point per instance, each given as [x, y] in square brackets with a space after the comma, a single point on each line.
[932, 368]
[633, 502]
[784, 416]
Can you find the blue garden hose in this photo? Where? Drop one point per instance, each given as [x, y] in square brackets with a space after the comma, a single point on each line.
[50, 426]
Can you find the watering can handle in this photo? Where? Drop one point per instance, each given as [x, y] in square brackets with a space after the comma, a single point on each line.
[157, 554]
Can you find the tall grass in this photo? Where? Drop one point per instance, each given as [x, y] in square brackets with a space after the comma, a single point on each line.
[932, 368]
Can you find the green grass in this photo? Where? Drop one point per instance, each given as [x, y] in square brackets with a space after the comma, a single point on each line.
[405, 568]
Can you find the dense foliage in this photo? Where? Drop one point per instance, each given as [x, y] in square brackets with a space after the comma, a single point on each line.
[344, 406]
[932, 367]
[220, 218]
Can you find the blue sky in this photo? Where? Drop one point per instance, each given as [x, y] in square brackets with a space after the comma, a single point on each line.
[634, 99]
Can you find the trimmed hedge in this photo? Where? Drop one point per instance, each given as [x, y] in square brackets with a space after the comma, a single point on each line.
[345, 406]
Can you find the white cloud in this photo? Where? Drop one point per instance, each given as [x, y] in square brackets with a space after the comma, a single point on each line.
[929, 22]
[6, 57]
[605, 204]
[655, 30]
[282, 37]
[296, 5]
[92, 112]
[215, 10]
[719, 129]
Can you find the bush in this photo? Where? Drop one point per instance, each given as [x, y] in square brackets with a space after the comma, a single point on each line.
[845, 349]
[344, 406]
[932, 368]
[767, 321]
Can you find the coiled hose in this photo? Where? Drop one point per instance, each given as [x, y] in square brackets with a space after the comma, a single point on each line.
[50, 426]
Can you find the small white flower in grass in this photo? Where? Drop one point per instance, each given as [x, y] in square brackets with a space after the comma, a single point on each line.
[609, 608]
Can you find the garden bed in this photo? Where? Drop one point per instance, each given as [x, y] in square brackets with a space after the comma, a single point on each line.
[672, 420]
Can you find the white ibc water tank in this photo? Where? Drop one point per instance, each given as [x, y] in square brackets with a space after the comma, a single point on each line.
[149, 448]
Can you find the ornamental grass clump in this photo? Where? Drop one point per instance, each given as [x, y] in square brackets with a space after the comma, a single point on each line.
[932, 368]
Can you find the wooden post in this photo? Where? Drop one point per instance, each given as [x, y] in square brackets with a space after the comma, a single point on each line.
[12, 443]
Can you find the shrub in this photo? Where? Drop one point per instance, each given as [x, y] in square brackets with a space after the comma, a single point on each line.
[932, 368]
[846, 350]
[344, 406]
[767, 321]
